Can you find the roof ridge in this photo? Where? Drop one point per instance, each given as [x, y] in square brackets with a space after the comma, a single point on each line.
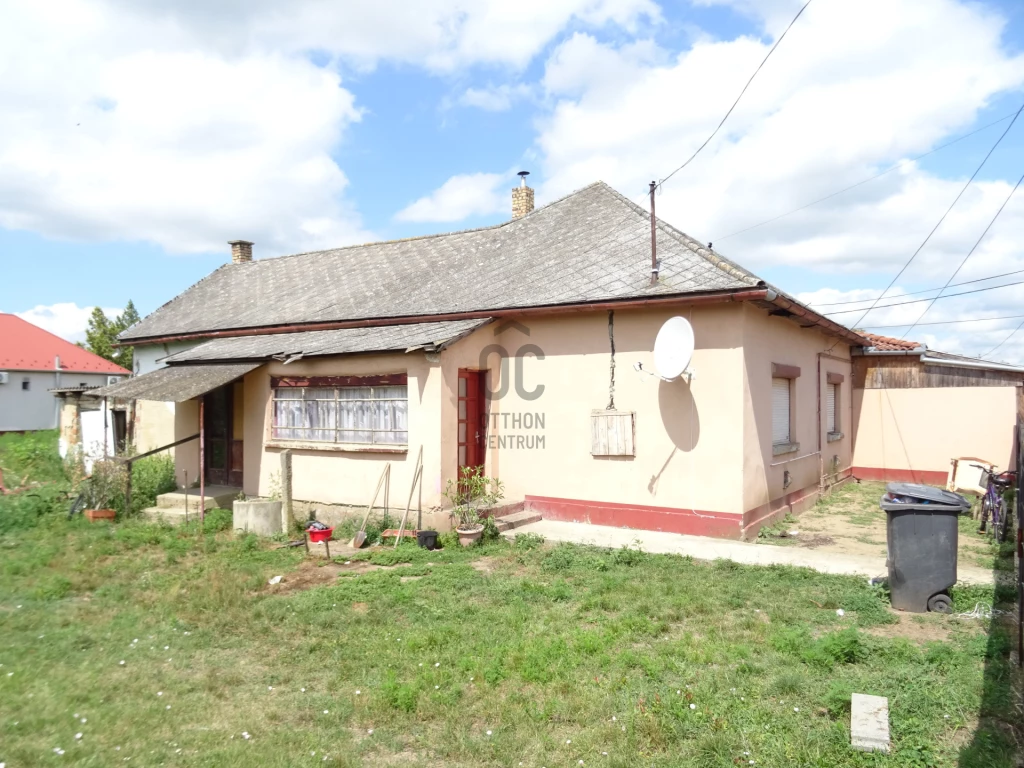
[728, 266]
[431, 235]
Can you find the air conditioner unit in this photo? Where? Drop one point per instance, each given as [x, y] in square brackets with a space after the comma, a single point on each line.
[4, 377]
[113, 380]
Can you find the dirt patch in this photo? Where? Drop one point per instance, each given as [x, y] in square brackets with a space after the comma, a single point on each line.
[917, 627]
[404, 579]
[485, 564]
[360, 607]
[813, 542]
[313, 573]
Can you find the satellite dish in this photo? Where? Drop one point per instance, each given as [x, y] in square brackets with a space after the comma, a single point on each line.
[673, 348]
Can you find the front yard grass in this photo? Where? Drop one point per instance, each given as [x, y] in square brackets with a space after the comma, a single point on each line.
[169, 647]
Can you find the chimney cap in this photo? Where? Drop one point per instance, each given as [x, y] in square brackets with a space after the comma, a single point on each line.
[240, 242]
[522, 177]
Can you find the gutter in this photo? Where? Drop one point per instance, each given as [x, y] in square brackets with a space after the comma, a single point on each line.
[685, 300]
[971, 364]
[795, 309]
[872, 352]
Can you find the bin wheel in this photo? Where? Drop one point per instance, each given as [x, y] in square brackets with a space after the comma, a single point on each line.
[940, 603]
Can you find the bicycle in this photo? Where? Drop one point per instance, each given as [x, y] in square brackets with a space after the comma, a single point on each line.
[992, 504]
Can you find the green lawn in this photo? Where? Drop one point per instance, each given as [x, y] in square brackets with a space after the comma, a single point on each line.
[496, 656]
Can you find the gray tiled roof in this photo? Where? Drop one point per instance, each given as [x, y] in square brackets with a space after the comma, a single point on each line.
[592, 245]
[382, 338]
[176, 384]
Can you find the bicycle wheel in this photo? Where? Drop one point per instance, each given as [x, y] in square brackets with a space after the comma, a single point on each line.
[1005, 523]
[986, 509]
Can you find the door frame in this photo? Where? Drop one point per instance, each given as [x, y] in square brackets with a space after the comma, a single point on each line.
[232, 473]
[471, 423]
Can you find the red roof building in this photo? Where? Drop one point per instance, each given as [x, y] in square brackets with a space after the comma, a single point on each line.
[26, 347]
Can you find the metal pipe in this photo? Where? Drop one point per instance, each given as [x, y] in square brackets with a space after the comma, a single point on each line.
[683, 300]
[795, 458]
[654, 239]
[202, 464]
[971, 364]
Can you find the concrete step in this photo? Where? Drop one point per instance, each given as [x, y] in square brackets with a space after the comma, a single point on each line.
[216, 497]
[171, 515]
[516, 520]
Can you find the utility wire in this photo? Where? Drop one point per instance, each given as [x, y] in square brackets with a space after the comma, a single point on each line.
[944, 322]
[969, 253]
[925, 290]
[997, 346]
[943, 218]
[718, 127]
[919, 301]
[865, 181]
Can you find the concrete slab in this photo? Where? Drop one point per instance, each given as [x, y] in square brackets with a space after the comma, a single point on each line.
[516, 520]
[869, 723]
[705, 548]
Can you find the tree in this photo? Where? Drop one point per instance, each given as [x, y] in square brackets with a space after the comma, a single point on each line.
[102, 332]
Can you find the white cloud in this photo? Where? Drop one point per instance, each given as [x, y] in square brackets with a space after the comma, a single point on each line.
[842, 97]
[493, 98]
[67, 320]
[464, 195]
[190, 123]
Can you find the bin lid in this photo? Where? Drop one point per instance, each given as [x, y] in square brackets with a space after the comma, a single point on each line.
[928, 494]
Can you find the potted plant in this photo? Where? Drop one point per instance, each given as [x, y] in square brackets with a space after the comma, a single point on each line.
[472, 491]
[105, 484]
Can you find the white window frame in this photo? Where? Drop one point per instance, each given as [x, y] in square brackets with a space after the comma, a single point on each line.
[376, 397]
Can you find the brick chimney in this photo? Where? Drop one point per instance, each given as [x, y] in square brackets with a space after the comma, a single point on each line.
[522, 197]
[241, 251]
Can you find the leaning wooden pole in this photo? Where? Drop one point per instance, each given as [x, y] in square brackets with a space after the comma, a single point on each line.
[202, 465]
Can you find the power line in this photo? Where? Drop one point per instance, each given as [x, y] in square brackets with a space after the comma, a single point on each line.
[718, 127]
[925, 290]
[943, 322]
[970, 252]
[944, 215]
[919, 301]
[1004, 341]
[865, 181]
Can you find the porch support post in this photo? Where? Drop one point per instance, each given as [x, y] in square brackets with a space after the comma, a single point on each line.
[286, 490]
[104, 427]
[202, 463]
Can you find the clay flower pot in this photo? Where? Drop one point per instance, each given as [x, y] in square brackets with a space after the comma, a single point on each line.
[100, 514]
[470, 536]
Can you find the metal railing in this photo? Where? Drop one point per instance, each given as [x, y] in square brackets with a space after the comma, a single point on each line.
[129, 460]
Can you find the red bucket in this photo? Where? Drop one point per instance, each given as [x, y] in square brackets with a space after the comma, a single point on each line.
[320, 535]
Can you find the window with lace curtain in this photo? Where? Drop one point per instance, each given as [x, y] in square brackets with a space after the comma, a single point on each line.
[356, 410]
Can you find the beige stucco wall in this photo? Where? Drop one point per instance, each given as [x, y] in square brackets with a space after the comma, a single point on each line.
[348, 477]
[154, 425]
[688, 446]
[922, 429]
[767, 340]
[186, 456]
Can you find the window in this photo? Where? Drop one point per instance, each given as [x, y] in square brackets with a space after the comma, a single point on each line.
[361, 410]
[833, 406]
[780, 411]
[26, 385]
[832, 400]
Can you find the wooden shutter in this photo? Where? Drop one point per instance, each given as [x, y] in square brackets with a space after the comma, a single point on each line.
[830, 408]
[780, 411]
[611, 433]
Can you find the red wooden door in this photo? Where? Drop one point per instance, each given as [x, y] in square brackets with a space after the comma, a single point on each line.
[471, 422]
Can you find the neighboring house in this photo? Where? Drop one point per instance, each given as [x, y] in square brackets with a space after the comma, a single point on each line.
[916, 409]
[32, 363]
[523, 347]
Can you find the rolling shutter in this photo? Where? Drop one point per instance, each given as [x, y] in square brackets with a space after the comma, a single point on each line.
[830, 408]
[780, 411]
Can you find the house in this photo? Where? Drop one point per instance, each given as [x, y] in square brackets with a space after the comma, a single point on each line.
[916, 409]
[33, 362]
[524, 347]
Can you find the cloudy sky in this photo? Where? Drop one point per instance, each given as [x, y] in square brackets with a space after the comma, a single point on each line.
[137, 136]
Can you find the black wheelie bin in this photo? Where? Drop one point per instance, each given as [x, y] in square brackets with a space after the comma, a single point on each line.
[922, 532]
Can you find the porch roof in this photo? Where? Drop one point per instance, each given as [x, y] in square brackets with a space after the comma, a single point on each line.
[344, 341]
[177, 383]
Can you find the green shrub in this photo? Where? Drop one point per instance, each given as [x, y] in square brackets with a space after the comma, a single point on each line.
[30, 457]
[846, 646]
[151, 477]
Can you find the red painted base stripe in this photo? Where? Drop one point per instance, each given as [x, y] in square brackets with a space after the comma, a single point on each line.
[638, 516]
[926, 476]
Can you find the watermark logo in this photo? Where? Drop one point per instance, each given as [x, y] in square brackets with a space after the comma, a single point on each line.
[521, 353]
[514, 430]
